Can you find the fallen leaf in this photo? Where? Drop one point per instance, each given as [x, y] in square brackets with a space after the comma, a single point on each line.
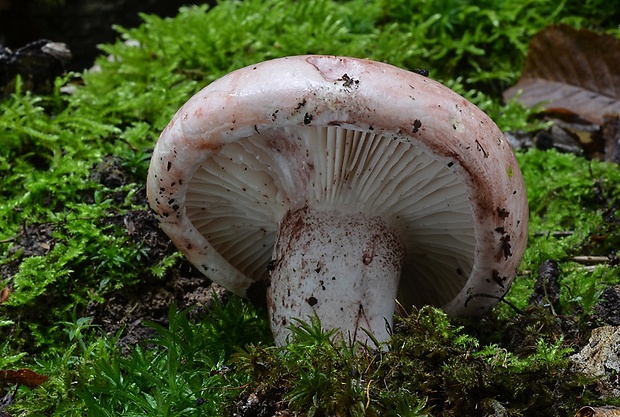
[24, 377]
[571, 72]
[4, 294]
[611, 138]
[598, 412]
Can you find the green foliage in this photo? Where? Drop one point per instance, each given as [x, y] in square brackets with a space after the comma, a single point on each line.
[161, 268]
[593, 13]
[574, 211]
[39, 125]
[485, 42]
[182, 371]
[45, 154]
[7, 358]
[316, 373]
[86, 260]
[432, 367]
[51, 148]
[574, 195]
[164, 61]
[583, 289]
[57, 396]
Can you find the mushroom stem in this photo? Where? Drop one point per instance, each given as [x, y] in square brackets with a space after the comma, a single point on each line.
[343, 267]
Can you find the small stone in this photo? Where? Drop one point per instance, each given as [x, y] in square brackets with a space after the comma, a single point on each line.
[600, 358]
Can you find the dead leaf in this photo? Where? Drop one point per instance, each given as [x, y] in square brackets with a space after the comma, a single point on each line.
[4, 294]
[598, 412]
[570, 71]
[23, 377]
[611, 138]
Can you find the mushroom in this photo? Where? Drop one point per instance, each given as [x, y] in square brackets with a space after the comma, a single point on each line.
[341, 185]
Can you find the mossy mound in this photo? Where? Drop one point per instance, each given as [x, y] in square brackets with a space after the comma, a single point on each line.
[76, 236]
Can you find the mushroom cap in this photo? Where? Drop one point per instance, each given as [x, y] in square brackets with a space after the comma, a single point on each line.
[343, 134]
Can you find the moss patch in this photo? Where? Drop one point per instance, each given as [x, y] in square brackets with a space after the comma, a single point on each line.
[77, 240]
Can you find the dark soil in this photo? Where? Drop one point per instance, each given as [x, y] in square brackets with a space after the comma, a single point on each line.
[130, 307]
[151, 299]
[261, 404]
[32, 240]
[608, 309]
[81, 24]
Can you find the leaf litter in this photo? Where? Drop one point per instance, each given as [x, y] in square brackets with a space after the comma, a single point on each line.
[573, 74]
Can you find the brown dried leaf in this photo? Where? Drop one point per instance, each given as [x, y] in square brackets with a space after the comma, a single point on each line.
[24, 377]
[598, 412]
[611, 138]
[571, 71]
[4, 294]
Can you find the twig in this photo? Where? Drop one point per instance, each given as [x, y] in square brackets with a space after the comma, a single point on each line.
[368, 393]
[501, 299]
[590, 259]
[244, 386]
[555, 234]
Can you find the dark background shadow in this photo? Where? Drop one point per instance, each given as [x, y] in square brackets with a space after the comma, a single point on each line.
[81, 24]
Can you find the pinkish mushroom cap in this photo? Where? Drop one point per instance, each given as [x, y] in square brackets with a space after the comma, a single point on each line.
[341, 184]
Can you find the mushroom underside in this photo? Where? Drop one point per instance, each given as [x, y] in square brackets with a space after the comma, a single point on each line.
[240, 198]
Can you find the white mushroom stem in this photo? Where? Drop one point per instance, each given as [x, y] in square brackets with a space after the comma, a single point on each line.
[345, 268]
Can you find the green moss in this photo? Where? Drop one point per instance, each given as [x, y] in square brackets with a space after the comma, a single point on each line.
[477, 50]
[54, 148]
[433, 366]
[573, 212]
